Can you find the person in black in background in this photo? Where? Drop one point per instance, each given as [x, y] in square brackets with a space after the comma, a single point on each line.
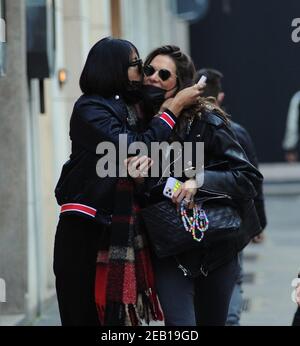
[214, 89]
[291, 137]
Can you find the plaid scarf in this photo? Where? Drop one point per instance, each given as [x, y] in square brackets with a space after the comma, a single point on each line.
[124, 289]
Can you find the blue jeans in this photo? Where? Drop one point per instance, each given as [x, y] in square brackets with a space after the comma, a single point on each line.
[236, 302]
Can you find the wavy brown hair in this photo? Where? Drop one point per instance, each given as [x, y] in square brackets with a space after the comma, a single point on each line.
[186, 77]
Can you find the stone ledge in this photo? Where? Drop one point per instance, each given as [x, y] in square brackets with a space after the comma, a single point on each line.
[282, 189]
[280, 172]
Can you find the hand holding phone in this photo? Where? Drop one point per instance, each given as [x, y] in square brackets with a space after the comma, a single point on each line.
[202, 80]
[172, 185]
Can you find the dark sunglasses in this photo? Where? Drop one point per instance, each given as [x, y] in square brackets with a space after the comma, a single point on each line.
[138, 63]
[163, 74]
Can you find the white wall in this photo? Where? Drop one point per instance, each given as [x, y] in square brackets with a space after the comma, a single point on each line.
[79, 24]
[35, 237]
[150, 23]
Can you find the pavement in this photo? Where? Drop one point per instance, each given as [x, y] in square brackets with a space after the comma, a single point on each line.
[269, 268]
[50, 316]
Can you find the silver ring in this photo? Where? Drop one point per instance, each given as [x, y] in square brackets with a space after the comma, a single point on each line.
[185, 202]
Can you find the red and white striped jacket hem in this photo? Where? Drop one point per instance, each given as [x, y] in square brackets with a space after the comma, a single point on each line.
[168, 119]
[81, 208]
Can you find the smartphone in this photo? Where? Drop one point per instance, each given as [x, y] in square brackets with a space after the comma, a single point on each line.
[172, 185]
[202, 80]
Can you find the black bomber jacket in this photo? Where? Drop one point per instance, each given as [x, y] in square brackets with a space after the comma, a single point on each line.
[96, 120]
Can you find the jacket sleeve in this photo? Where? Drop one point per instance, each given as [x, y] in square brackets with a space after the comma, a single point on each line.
[247, 144]
[240, 179]
[94, 123]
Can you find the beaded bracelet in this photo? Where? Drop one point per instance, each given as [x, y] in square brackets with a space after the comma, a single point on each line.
[196, 224]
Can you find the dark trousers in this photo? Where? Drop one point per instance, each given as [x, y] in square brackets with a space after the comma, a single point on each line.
[190, 302]
[296, 320]
[76, 245]
[213, 294]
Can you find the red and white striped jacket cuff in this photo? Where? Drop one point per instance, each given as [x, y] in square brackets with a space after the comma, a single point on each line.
[167, 118]
[81, 208]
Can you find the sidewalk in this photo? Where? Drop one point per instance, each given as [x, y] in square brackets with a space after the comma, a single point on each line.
[50, 317]
[281, 172]
[271, 266]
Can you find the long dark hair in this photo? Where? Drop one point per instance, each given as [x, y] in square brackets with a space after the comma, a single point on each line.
[106, 69]
[186, 76]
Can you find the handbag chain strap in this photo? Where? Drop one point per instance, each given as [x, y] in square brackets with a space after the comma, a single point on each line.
[196, 224]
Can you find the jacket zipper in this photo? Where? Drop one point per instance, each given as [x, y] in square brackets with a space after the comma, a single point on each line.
[204, 190]
[185, 271]
[219, 195]
[203, 271]
[205, 199]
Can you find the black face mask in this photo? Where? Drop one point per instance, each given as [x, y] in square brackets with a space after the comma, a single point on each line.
[154, 97]
[133, 93]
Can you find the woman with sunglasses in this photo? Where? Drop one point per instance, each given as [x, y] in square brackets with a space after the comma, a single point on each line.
[98, 215]
[167, 71]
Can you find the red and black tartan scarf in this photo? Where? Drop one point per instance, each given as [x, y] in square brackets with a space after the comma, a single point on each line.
[124, 290]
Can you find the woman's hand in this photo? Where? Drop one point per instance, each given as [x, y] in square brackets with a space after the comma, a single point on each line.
[186, 193]
[296, 291]
[138, 167]
[298, 294]
[291, 156]
[259, 238]
[184, 99]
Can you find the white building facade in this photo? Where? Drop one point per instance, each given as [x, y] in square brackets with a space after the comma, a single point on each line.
[34, 145]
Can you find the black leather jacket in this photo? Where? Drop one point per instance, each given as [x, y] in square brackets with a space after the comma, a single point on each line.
[247, 144]
[95, 120]
[228, 172]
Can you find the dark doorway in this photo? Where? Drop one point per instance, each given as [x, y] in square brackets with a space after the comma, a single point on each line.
[250, 41]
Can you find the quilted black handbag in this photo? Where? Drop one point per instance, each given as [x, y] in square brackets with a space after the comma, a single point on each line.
[168, 235]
